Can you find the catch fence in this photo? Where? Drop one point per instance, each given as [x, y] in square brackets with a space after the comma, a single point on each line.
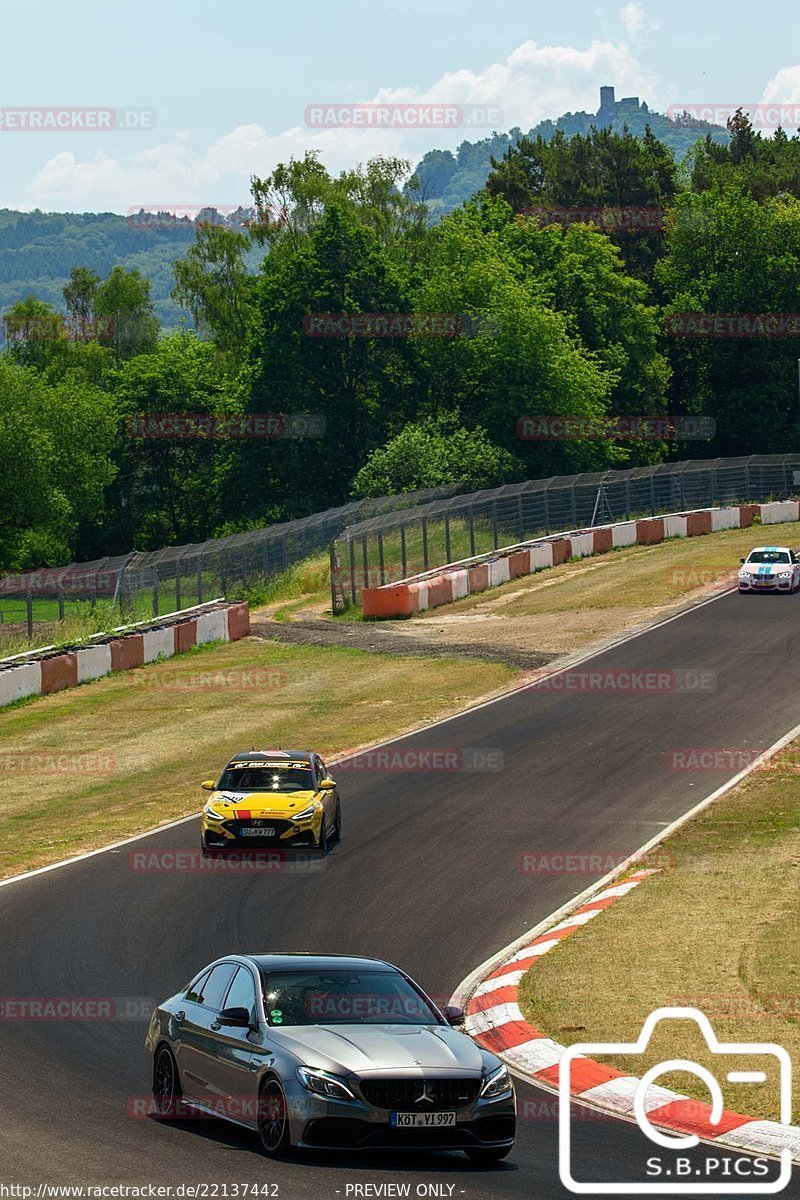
[392, 546]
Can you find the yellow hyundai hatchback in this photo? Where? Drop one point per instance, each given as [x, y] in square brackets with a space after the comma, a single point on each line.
[271, 797]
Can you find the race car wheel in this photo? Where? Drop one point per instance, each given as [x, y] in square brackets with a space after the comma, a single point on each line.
[486, 1156]
[273, 1125]
[324, 843]
[337, 824]
[167, 1091]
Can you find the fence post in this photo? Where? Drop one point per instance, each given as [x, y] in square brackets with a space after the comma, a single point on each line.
[471, 532]
[521, 516]
[447, 551]
[403, 564]
[495, 537]
[424, 543]
[547, 510]
[60, 601]
[199, 580]
[573, 506]
[178, 605]
[352, 550]
[380, 557]
[652, 495]
[627, 499]
[155, 591]
[364, 562]
[332, 555]
[29, 613]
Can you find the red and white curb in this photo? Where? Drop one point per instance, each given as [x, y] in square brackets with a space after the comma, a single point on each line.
[495, 1020]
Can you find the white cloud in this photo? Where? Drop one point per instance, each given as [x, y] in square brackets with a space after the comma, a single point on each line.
[784, 87]
[534, 82]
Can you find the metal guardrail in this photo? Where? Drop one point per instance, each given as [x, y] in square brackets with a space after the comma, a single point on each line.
[389, 547]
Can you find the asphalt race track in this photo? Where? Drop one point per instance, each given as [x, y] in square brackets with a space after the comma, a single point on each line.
[427, 875]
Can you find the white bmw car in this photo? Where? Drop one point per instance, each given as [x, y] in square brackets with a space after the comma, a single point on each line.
[770, 569]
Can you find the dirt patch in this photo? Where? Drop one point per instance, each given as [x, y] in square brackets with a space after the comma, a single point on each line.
[387, 638]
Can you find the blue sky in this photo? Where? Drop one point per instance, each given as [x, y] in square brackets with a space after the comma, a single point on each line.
[229, 83]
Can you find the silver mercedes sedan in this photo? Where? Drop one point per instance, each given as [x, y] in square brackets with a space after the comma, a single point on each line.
[328, 1052]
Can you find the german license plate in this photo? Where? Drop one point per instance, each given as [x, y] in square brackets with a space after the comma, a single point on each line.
[417, 1120]
[258, 831]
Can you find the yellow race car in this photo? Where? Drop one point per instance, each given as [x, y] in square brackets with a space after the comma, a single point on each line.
[271, 797]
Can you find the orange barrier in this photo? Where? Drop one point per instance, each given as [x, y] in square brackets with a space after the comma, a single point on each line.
[649, 532]
[746, 514]
[698, 523]
[440, 591]
[127, 652]
[562, 549]
[400, 600]
[59, 671]
[238, 621]
[185, 636]
[603, 540]
[479, 577]
[519, 563]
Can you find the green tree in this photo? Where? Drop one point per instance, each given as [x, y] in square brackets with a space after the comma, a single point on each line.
[214, 283]
[432, 452]
[728, 253]
[166, 489]
[55, 450]
[123, 302]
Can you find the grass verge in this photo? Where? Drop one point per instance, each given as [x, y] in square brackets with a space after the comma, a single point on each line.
[633, 577]
[718, 932]
[97, 763]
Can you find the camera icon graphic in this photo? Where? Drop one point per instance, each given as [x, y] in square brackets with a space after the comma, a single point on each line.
[675, 1142]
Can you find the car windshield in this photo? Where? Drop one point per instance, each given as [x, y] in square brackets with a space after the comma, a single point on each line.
[344, 998]
[769, 556]
[280, 777]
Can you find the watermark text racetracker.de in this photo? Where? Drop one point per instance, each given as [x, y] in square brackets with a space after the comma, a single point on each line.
[84, 1009]
[55, 119]
[272, 861]
[621, 682]
[553, 428]
[387, 116]
[590, 862]
[764, 115]
[237, 426]
[235, 679]
[433, 758]
[45, 761]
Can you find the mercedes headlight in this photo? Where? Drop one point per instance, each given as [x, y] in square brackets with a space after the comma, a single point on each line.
[323, 1084]
[497, 1083]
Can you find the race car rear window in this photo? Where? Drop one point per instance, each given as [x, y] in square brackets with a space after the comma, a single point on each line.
[279, 777]
[769, 556]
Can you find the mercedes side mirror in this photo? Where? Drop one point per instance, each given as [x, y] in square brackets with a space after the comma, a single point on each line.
[741, 560]
[239, 1017]
[327, 785]
[453, 1014]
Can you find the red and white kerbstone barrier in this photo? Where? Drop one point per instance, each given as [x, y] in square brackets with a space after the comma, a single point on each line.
[51, 670]
[495, 1020]
[456, 580]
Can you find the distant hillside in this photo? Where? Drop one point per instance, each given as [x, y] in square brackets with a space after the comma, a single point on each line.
[449, 179]
[38, 251]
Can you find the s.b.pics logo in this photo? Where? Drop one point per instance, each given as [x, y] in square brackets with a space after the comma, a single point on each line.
[674, 1125]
